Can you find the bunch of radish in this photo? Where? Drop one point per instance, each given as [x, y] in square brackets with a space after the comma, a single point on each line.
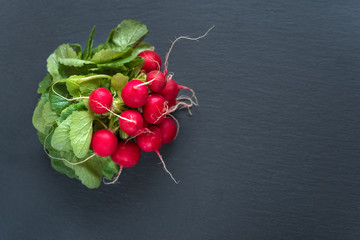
[148, 121]
[101, 106]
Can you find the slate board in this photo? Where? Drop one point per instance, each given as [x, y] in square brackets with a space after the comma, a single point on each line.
[272, 152]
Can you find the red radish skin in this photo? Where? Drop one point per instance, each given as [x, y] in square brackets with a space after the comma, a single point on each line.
[155, 109]
[100, 100]
[133, 95]
[156, 81]
[169, 129]
[152, 61]
[170, 92]
[150, 141]
[131, 127]
[127, 154]
[104, 143]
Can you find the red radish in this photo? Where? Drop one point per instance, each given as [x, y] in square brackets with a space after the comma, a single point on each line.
[169, 129]
[131, 127]
[152, 61]
[170, 92]
[155, 109]
[133, 95]
[104, 143]
[145, 124]
[151, 142]
[156, 80]
[127, 154]
[100, 100]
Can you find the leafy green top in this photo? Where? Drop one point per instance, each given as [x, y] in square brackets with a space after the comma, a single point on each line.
[65, 125]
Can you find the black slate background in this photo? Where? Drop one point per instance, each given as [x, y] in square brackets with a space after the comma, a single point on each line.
[271, 153]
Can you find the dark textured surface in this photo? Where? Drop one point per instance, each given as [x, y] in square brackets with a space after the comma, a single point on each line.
[271, 153]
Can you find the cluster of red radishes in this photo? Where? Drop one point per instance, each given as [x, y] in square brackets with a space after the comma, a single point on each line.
[149, 121]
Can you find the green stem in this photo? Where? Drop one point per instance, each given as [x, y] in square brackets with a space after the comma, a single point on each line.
[102, 123]
[94, 77]
[111, 121]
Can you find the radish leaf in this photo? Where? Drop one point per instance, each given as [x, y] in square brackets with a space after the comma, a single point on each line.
[57, 97]
[87, 50]
[48, 114]
[128, 34]
[61, 137]
[63, 51]
[81, 132]
[90, 172]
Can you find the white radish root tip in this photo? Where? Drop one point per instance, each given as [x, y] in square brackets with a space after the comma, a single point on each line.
[166, 170]
[177, 39]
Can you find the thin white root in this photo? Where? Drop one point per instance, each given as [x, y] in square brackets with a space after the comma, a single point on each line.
[141, 131]
[163, 163]
[67, 99]
[81, 80]
[185, 97]
[147, 83]
[193, 94]
[115, 179]
[180, 105]
[108, 109]
[177, 39]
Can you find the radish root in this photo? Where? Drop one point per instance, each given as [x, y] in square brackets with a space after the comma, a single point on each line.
[177, 39]
[115, 179]
[163, 163]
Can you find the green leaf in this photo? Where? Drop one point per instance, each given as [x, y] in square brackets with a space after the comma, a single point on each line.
[58, 103]
[134, 67]
[90, 172]
[87, 85]
[48, 114]
[68, 110]
[140, 48]
[97, 49]
[73, 85]
[87, 50]
[61, 137]
[45, 96]
[73, 66]
[44, 84]
[77, 48]
[118, 81]
[115, 65]
[63, 51]
[109, 55]
[37, 120]
[128, 34]
[60, 165]
[110, 169]
[81, 132]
